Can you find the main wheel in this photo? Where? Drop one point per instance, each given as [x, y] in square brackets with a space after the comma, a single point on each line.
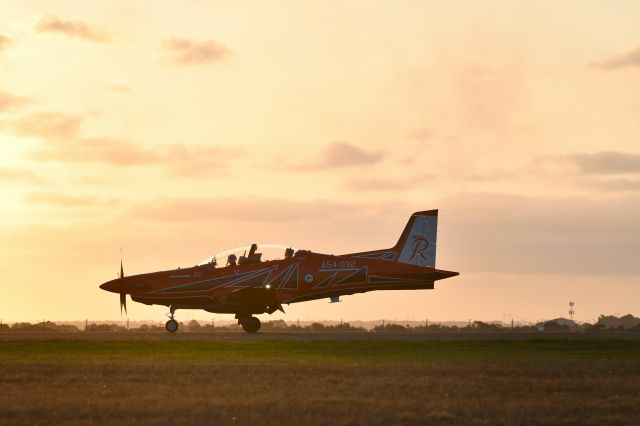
[251, 325]
[171, 326]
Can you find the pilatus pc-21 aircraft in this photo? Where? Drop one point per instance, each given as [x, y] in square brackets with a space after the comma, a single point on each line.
[241, 282]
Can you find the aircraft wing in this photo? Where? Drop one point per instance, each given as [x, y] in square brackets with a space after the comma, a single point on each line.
[252, 299]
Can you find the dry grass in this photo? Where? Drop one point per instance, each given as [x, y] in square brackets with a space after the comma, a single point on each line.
[309, 383]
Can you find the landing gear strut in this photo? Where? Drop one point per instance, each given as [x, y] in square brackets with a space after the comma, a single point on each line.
[249, 324]
[172, 324]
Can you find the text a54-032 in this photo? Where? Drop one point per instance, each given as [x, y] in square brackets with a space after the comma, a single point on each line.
[339, 264]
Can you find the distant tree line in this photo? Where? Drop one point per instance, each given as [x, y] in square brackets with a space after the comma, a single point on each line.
[610, 322]
[476, 326]
[604, 324]
[41, 326]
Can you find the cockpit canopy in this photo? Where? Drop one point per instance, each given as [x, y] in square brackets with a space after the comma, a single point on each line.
[250, 253]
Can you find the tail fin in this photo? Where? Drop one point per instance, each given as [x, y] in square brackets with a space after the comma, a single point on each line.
[417, 244]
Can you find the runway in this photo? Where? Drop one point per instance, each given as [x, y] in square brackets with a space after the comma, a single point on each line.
[317, 336]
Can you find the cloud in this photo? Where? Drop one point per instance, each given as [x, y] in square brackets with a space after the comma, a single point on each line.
[5, 42]
[120, 89]
[107, 150]
[178, 160]
[62, 140]
[63, 200]
[422, 134]
[399, 184]
[500, 233]
[254, 209]
[342, 154]
[9, 102]
[183, 52]
[15, 174]
[606, 162]
[199, 161]
[374, 185]
[75, 29]
[48, 125]
[490, 175]
[613, 185]
[629, 59]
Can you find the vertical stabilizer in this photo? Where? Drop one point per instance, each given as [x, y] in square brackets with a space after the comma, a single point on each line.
[417, 245]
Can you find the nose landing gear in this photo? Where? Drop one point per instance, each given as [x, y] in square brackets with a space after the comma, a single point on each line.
[172, 324]
[249, 324]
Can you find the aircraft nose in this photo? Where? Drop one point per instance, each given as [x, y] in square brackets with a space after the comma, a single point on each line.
[112, 286]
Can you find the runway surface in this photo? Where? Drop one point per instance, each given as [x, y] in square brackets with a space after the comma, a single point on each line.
[310, 336]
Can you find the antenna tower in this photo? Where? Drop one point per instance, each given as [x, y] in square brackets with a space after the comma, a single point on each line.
[571, 311]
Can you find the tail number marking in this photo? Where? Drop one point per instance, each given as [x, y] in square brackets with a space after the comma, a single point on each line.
[342, 264]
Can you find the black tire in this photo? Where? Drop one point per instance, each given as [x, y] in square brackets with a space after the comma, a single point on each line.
[251, 325]
[171, 326]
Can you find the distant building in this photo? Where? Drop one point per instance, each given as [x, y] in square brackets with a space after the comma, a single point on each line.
[557, 324]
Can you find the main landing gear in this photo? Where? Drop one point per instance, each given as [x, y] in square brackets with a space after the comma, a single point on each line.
[249, 324]
[172, 324]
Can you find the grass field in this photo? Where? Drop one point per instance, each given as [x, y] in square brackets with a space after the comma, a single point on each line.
[265, 382]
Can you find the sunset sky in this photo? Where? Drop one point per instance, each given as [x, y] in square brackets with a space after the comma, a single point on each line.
[178, 129]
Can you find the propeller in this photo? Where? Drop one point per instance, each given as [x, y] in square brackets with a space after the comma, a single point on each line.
[123, 302]
[123, 296]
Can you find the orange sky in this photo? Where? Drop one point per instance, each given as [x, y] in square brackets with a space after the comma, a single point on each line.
[180, 129]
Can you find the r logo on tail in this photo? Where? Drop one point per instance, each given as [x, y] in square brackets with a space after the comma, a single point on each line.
[420, 244]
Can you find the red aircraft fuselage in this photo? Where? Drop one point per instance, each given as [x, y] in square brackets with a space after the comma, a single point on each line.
[252, 286]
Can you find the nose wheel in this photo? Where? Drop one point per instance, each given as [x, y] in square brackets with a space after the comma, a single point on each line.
[172, 324]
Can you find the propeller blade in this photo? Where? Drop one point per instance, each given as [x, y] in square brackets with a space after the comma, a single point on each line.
[123, 296]
[123, 302]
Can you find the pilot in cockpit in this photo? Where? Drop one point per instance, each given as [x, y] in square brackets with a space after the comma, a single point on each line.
[288, 253]
[253, 257]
